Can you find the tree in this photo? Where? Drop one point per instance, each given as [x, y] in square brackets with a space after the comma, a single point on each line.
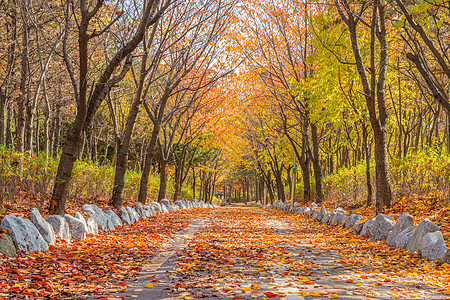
[88, 105]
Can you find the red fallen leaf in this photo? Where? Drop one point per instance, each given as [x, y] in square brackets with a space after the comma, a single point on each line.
[301, 254]
[270, 294]
[118, 12]
[123, 283]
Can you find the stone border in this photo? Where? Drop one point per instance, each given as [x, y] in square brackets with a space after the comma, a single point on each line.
[426, 238]
[37, 233]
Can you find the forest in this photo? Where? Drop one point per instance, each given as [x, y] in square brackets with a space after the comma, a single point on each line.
[243, 101]
[276, 104]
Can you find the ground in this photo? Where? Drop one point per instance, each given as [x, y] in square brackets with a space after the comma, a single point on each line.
[253, 253]
[225, 253]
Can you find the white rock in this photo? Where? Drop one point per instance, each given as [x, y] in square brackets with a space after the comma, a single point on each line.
[131, 215]
[92, 226]
[166, 203]
[367, 228]
[352, 220]
[403, 222]
[433, 246]
[312, 209]
[382, 226]
[403, 237]
[357, 228]
[24, 234]
[102, 219]
[425, 226]
[148, 211]
[125, 216]
[83, 220]
[115, 220]
[336, 214]
[326, 218]
[322, 212]
[76, 227]
[44, 228]
[164, 208]
[341, 219]
[136, 216]
[60, 226]
[140, 210]
[156, 206]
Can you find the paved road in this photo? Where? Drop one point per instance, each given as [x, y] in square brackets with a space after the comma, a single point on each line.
[232, 253]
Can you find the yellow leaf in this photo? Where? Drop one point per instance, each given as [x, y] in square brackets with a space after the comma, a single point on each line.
[246, 288]
[256, 287]
[149, 285]
[333, 296]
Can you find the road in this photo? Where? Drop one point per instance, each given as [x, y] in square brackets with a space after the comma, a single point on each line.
[235, 253]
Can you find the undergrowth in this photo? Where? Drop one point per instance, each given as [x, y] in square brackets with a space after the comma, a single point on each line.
[28, 181]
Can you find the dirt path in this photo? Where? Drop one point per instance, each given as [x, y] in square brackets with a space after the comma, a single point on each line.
[258, 254]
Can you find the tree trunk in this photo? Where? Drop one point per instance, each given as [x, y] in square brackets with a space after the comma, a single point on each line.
[316, 164]
[367, 155]
[22, 100]
[162, 180]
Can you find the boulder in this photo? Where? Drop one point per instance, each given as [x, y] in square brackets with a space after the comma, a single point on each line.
[136, 216]
[102, 219]
[60, 226]
[44, 228]
[425, 226]
[305, 211]
[315, 214]
[124, 216]
[24, 234]
[7, 245]
[445, 259]
[322, 212]
[195, 203]
[432, 246]
[88, 210]
[341, 219]
[382, 226]
[180, 204]
[140, 210]
[202, 204]
[156, 206]
[115, 220]
[404, 237]
[131, 215]
[326, 218]
[164, 208]
[148, 211]
[336, 214]
[404, 221]
[352, 220]
[83, 220]
[312, 209]
[92, 226]
[166, 202]
[366, 230]
[76, 227]
[357, 228]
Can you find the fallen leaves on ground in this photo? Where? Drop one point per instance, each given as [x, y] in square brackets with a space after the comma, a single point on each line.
[99, 264]
[255, 253]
